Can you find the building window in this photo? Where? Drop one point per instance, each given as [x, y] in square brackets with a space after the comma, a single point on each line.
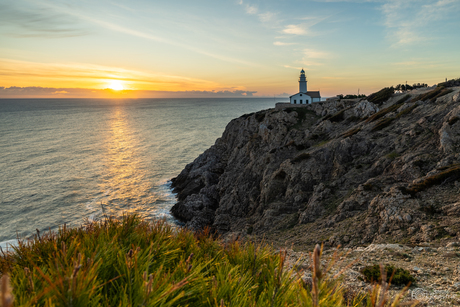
[295, 101]
[306, 101]
[300, 101]
[300, 94]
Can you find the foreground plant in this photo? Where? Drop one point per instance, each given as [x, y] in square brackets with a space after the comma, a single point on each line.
[130, 262]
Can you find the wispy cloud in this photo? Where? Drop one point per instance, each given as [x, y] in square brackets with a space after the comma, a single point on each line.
[149, 36]
[411, 21]
[266, 17]
[251, 9]
[316, 54]
[282, 44]
[25, 21]
[295, 29]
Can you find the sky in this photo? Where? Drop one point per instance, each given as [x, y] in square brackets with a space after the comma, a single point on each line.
[219, 48]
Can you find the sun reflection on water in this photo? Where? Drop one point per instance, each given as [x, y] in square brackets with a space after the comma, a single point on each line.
[125, 178]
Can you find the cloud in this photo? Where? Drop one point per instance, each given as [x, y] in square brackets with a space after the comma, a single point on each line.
[251, 9]
[282, 44]
[22, 21]
[316, 54]
[295, 29]
[145, 35]
[413, 21]
[47, 92]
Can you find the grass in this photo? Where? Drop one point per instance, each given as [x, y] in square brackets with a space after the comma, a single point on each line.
[384, 122]
[451, 172]
[381, 96]
[383, 112]
[351, 132]
[433, 95]
[133, 263]
[392, 155]
[130, 262]
[407, 110]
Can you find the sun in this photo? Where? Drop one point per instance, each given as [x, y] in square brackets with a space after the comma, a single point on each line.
[116, 85]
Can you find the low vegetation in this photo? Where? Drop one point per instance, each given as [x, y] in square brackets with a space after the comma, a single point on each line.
[383, 112]
[381, 96]
[397, 276]
[431, 96]
[351, 132]
[451, 173]
[382, 123]
[130, 262]
[450, 83]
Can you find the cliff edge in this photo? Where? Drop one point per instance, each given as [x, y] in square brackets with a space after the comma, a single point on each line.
[344, 172]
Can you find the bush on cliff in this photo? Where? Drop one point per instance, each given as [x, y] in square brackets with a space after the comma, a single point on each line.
[381, 96]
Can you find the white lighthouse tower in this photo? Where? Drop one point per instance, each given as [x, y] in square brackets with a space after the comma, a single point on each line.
[304, 96]
[302, 82]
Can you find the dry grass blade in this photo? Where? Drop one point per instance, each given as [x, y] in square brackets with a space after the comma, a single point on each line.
[6, 293]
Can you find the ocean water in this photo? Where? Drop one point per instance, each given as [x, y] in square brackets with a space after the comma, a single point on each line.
[63, 161]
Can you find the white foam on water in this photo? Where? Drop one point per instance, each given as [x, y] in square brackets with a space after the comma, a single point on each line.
[7, 246]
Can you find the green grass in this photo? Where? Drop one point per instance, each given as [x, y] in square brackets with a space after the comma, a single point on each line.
[133, 263]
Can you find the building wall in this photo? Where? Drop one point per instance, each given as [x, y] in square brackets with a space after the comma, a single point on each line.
[298, 99]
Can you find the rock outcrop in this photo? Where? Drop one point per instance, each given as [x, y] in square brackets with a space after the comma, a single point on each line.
[340, 172]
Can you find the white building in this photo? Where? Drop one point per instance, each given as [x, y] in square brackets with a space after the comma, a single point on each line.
[304, 96]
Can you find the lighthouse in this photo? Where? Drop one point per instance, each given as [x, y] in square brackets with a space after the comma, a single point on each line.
[304, 96]
[302, 82]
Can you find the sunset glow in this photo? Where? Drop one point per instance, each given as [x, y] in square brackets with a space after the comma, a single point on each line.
[235, 48]
[116, 85]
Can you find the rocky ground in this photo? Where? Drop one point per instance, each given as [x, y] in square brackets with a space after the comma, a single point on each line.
[436, 269]
[379, 177]
[342, 172]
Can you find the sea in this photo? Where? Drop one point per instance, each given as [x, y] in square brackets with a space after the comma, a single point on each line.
[70, 161]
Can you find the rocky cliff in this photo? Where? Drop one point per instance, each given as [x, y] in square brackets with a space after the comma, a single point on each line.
[341, 172]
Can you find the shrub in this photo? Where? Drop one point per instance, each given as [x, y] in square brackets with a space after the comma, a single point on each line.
[381, 96]
[397, 276]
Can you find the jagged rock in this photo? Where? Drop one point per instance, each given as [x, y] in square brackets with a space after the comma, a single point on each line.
[356, 181]
[365, 109]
